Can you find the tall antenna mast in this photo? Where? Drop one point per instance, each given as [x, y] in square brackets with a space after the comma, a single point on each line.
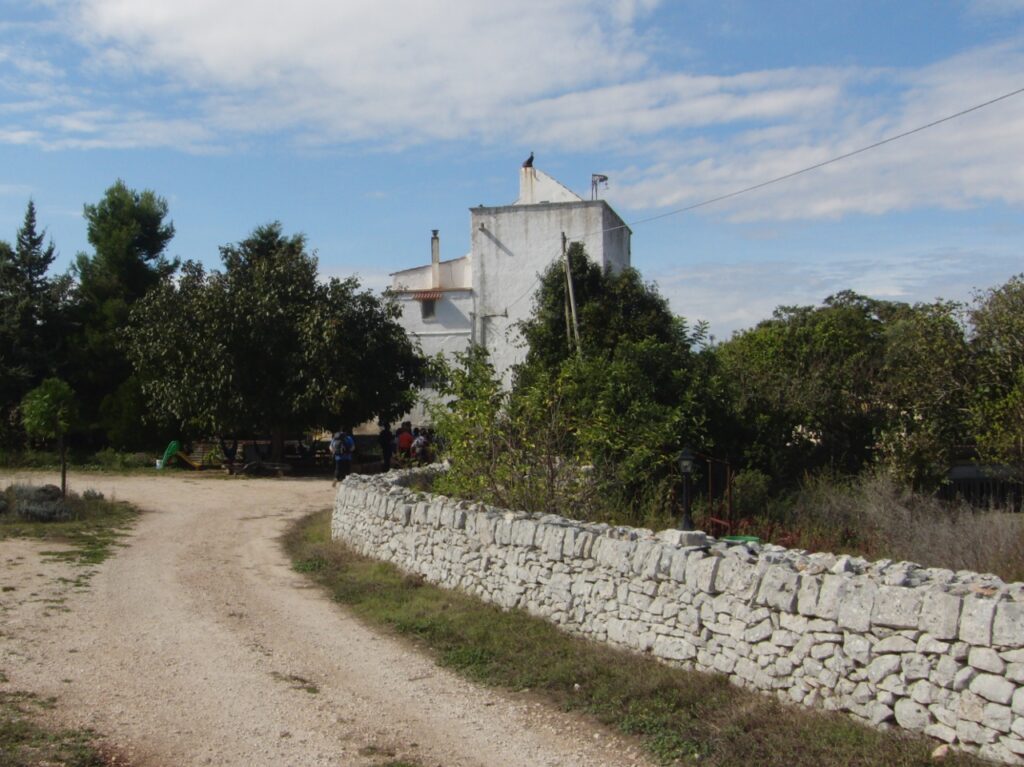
[596, 181]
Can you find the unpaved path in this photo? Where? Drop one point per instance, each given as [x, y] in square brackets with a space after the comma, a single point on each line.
[197, 644]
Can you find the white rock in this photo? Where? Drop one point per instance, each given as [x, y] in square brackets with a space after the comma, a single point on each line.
[993, 688]
[911, 715]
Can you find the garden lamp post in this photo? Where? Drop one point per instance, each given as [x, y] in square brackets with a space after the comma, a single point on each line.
[686, 458]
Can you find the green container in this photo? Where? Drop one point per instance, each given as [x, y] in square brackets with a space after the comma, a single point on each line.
[741, 538]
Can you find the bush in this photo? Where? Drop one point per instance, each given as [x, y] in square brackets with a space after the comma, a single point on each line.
[751, 490]
[29, 459]
[108, 458]
[38, 504]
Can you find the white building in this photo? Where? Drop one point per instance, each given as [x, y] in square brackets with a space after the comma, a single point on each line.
[479, 298]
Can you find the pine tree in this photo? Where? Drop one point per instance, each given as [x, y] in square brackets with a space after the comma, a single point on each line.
[31, 311]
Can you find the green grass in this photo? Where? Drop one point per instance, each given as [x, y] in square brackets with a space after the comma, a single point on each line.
[26, 743]
[681, 717]
[95, 528]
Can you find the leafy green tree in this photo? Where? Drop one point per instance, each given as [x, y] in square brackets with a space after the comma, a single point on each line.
[802, 385]
[923, 393]
[48, 411]
[997, 343]
[611, 309]
[32, 304]
[263, 346]
[597, 431]
[129, 234]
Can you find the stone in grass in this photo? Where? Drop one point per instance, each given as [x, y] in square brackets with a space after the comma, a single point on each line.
[40, 504]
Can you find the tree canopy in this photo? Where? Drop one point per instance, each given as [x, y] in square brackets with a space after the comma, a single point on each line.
[997, 343]
[32, 327]
[265, 347]
[129, 235]
[48, 411]
[639, 388]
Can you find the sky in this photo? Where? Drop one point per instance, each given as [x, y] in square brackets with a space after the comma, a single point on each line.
[365, 124]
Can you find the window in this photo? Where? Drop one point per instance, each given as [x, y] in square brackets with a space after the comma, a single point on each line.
[427, 308]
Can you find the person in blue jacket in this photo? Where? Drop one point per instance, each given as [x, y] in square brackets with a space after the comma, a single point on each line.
[342, 447]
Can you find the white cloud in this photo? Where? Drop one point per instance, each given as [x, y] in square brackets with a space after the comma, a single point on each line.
[754, 290]
[997, 8]
[566, 75]
[963, 163]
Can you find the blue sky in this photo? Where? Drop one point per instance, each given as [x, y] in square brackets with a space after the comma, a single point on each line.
[365, 124]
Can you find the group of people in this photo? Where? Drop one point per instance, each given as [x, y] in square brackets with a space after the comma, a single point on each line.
[406, 446]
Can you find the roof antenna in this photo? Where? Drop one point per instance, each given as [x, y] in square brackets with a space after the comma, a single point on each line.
[596, 182]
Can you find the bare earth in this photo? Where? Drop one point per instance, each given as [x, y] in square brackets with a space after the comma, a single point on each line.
[197, 644]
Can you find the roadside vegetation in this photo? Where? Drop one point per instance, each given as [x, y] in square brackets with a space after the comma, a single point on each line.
[89, 525]
[681, 717]
[830, 427]
[876, 517]
[24, 742]
[87, 528]
[796, 419]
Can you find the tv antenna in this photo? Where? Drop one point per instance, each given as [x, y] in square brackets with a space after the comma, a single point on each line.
[597, 180]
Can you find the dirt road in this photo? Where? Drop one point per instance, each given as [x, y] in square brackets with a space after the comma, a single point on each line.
[197, 644]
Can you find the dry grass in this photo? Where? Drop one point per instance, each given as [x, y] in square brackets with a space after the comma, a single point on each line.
[874, 517]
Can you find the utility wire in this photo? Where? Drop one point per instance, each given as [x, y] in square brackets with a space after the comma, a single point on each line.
[792, 174]
[823, 163]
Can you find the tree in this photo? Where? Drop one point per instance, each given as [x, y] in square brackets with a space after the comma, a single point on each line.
[923, 393]
[265, 347]
[802, 386]
[32, 304]
[129, 235]
[48, 411]
[611, 308]
[624, 406]
[997, 344]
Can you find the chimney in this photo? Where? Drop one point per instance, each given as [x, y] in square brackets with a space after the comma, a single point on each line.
[435, 260]
[527, 182]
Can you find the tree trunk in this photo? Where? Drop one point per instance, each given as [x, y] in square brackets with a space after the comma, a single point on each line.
[63, 466]
[277, 444]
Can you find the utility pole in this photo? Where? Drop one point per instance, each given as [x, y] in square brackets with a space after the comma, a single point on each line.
[572, 294]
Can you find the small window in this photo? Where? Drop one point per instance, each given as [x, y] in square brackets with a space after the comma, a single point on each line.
[427, 308]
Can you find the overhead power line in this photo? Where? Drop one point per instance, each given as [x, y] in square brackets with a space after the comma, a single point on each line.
[823, 163]
[793, 174]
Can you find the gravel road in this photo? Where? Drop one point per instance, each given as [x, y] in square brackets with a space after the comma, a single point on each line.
[197, 644]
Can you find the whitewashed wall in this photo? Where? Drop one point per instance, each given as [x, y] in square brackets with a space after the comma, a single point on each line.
[925, 649]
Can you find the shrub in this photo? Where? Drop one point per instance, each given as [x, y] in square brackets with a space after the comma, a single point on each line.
[108, 458]
[751, 491]
[39, 504]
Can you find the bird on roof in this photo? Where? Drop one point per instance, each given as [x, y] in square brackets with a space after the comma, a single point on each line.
[528, 163]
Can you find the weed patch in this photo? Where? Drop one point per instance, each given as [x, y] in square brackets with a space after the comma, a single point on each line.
[680, 716]
[91, 527]
[26, 743]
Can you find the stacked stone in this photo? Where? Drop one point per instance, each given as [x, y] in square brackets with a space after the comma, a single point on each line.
[892, 643]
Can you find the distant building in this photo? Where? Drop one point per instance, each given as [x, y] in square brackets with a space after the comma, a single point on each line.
[479, 298]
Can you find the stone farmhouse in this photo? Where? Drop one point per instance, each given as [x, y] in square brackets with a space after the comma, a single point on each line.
[479, 297]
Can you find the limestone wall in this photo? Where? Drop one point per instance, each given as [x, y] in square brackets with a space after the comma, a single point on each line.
[930, 650]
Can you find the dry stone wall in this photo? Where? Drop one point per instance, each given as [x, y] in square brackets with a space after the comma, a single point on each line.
[926, 649]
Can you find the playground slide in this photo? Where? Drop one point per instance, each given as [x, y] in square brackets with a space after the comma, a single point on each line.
[174, 451]
[186, 460]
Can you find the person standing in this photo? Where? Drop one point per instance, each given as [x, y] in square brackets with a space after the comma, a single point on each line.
[342, 447]
[405, 444]
[387, 444]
